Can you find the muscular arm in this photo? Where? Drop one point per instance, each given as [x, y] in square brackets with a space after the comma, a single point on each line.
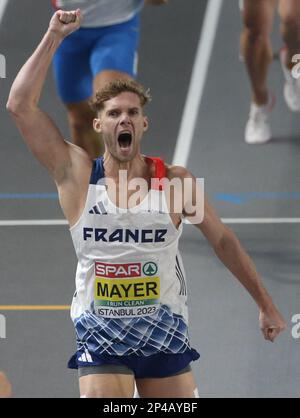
[39, 131]
[229, 250]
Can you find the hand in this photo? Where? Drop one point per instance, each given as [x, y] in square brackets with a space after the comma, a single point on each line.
[64, 23]
[271, 324]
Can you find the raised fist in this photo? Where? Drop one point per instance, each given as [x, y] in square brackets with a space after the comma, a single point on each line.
[64, 23]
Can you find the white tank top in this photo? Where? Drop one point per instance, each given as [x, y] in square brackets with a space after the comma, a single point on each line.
[130, 281]
[99, 13]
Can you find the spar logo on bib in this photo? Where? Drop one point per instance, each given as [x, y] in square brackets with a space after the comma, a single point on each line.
[121, 289]
[150, 269]
[117, 271]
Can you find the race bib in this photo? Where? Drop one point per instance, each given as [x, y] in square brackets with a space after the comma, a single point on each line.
[126, 290]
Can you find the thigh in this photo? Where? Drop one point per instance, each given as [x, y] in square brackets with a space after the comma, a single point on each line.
[289, 9]
[107, 76]
[116, 50]
[106, 385]
[259, 14]
[179, 386]
[81, 113]
[73, 75]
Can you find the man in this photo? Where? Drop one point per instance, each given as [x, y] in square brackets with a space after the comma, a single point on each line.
[129, 308]
[102, 50]
[257, 51]
[5, 386]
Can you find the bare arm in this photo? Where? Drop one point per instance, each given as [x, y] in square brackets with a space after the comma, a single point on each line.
[234, 257]
[229, 250]
[39, 131]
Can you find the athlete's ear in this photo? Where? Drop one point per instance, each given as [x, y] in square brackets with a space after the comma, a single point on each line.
[146, 124]
[97, 125]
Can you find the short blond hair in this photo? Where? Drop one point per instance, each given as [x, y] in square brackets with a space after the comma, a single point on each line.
[116, 87]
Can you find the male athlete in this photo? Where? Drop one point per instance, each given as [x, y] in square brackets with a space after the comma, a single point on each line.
[102, 50]
[258, 18]
[129, 309]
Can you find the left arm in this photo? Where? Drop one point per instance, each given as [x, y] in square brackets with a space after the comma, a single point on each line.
[229, 250]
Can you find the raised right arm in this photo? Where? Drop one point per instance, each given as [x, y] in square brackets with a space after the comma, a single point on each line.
[40, 133]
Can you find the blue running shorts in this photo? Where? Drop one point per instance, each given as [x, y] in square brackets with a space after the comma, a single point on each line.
[89, 51]
[154, 366]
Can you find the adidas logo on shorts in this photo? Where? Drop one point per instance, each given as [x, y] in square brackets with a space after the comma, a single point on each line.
[85, 357]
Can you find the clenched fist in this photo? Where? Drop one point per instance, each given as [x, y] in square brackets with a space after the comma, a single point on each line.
[64, 23]
[271, 324]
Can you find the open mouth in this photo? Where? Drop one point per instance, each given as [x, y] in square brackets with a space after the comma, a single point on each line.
[124, 140]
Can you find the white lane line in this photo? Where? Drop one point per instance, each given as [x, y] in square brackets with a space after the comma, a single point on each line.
[257, 221]
[237, 221]
[197, 83]
[3, 4]
[34, 222]
[261, 221]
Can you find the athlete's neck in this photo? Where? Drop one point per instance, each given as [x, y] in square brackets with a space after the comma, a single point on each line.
[137, 167]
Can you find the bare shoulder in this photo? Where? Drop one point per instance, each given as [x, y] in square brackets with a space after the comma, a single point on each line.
[79, 166]
[74, 182]
[177, 171]
[78, 153]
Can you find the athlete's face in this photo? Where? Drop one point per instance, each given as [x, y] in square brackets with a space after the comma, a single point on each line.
[122, 125]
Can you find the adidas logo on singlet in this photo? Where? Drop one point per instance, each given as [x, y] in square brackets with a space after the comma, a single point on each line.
[98, 209]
